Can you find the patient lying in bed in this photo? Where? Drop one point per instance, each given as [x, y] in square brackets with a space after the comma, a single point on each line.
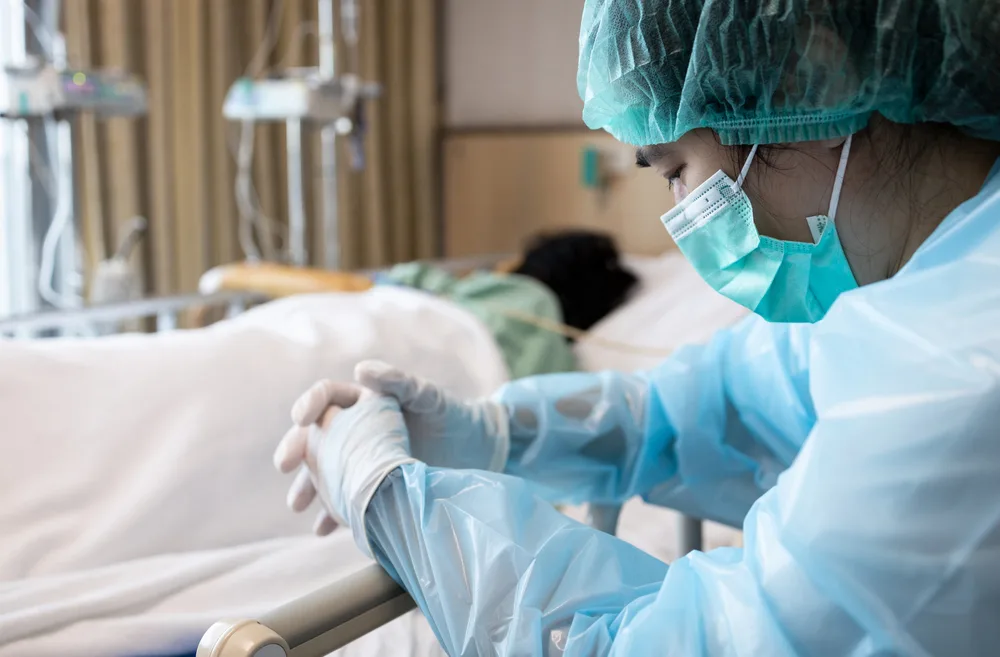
[571, 278]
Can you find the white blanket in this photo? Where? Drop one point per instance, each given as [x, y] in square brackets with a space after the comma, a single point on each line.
[136, 474]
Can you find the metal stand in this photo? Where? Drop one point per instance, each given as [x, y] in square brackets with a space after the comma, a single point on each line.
[331, 222]
[296, 203]
[604, 517]
[689, 535]
[40, 234]
[328, 143]
[331, 97]
[67, 283]
[19, 249]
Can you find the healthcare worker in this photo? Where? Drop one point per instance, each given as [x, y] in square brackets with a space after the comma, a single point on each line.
[834, 167]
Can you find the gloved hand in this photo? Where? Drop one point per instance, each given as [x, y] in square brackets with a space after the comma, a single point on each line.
[444, 431]
[349, 439]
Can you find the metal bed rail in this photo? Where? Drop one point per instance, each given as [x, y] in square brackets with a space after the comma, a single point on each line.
[315, 624]
[86, 321]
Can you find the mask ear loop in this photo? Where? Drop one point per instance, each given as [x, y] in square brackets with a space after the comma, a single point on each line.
[838, 182]
[746, 168]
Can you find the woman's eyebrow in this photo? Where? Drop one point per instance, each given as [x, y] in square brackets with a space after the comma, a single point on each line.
[641, 158]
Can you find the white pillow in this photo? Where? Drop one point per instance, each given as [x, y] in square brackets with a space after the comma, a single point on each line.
[672, 307]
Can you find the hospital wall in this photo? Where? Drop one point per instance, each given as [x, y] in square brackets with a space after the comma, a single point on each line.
[502, 186]
[516, 156]
[511, 63]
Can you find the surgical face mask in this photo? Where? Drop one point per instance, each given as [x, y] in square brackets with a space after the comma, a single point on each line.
[782, 281]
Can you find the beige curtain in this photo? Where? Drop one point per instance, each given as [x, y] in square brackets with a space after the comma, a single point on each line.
[175, 166]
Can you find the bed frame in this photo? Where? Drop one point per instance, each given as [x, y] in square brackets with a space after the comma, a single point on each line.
[330, 617]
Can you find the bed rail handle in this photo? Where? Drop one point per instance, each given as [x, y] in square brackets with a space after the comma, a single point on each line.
[315, 624]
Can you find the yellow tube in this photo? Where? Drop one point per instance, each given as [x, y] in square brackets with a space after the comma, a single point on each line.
[274, 280]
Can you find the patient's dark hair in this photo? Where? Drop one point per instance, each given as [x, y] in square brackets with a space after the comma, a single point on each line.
[583, 269]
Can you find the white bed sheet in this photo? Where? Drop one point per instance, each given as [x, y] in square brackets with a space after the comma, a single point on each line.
[161, 605]
[135, 573]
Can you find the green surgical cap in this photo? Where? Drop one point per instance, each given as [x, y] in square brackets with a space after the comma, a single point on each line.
[787, 70]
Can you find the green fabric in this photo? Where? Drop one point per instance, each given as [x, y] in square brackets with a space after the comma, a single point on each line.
[787, 70]
[527, 349]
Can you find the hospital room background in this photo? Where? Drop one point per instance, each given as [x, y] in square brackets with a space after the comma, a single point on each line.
[200, 201]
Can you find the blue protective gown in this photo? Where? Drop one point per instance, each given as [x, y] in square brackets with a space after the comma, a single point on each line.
[861, 455]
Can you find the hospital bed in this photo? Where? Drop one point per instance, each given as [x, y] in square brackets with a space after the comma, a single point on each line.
[338, 613]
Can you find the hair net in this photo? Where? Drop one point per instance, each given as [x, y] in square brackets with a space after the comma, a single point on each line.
[787, 70]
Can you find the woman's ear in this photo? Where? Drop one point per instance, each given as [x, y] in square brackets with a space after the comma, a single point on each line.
[833, 144]
[821, 69]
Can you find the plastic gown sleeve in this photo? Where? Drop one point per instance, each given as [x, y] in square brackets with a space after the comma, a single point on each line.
[706, 432]
[882, 538]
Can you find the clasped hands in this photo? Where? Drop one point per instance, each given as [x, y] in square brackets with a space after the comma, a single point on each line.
[347, 437]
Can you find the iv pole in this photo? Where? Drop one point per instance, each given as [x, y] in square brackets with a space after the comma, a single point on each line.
[329, 96]
[41, 100]
[53, 193]
[328, 142]
[16, 235]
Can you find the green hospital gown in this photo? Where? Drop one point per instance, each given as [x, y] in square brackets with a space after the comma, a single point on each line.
[526, 348]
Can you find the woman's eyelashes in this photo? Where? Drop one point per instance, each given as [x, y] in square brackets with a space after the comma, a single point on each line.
[675, 175]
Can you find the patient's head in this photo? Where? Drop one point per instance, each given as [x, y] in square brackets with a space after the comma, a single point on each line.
[583, 269]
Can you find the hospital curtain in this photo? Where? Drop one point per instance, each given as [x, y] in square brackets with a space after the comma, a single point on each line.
[176, 167]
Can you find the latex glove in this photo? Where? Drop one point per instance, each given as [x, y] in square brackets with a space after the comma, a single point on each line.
[444, 431]
[345, 441]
